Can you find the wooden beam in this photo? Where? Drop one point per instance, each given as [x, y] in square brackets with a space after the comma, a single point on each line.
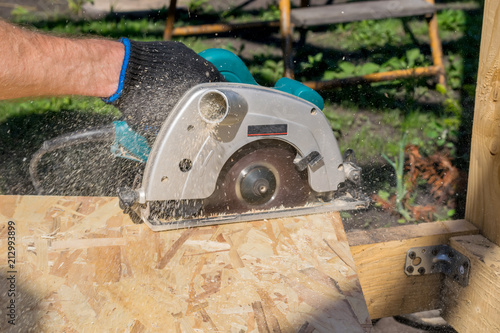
[380, 257]
[475, 308]
[483, 193]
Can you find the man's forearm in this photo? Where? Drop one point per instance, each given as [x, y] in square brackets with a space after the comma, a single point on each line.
[33, 64]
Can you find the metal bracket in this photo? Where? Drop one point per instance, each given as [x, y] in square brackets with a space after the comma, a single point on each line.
[438, 259]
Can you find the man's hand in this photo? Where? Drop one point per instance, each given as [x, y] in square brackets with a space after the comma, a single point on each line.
[155, 75]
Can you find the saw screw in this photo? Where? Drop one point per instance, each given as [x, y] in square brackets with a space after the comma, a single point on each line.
[185, 165]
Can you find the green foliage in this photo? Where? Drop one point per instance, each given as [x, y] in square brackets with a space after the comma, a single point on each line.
[454, 71]
[199, 6]
[272, 13]
[370, 33]
[401, 191]
[312, 62]
[9, 109]
[338, 121]
[21, 13]
[198, 45]
[430, 132]
[269, 13]
[76, 6]
[315, 64]
[453, 20]
[269, 72]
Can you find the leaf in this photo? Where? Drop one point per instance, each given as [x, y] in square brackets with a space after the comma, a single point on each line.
[270, 64]
[412, 56]
[432, 134]
[315, 59]
[383, 194]
[393, 63]
[347, 67]
[268, 74]
[441, 89]
[368, 68]
[329, 75]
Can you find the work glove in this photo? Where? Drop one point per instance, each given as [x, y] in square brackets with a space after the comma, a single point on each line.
[154, 77]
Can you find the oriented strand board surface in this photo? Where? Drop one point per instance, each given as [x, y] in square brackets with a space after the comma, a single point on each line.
[83, 266]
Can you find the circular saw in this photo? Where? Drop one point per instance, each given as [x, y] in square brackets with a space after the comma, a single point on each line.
[232, 152]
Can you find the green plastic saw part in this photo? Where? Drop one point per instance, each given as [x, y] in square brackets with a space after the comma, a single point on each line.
[129, 144]
[234, 70]
[229, 65]
[300, 90]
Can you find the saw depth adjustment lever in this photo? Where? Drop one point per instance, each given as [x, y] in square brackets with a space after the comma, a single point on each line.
[312, 160]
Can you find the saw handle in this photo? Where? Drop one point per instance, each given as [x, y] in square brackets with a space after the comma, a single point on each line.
[234, 70]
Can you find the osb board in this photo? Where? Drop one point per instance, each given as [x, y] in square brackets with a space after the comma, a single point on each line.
[81, 265]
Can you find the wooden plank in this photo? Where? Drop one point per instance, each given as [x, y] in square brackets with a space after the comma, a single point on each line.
[475, 308]
[483, 192]
[380, 257]
[81, 265]
[358, 11]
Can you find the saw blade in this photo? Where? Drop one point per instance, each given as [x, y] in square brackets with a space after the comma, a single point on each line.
[259, 181]
[339, 204]
[259, 177]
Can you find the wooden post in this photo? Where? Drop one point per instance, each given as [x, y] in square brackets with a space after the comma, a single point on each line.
[436, 48]
[286, 37]
[169, 25]
[483, 196]
[380, 256]
[475, 308]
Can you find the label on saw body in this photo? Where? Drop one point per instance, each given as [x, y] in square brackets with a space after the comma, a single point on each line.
[263, 130]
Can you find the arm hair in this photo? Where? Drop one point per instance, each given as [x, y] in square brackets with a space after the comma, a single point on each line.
[34, 64]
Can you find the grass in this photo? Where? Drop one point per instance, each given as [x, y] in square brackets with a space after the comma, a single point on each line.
[371, 119]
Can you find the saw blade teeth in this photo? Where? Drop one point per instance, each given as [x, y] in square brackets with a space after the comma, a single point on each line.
[257, 215]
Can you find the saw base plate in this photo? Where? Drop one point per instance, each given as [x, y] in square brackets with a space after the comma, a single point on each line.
[338, 204]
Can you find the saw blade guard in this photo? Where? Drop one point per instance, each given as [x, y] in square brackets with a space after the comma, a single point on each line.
[212, 121]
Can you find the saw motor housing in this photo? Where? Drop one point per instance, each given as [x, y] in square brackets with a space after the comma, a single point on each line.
[213, 121]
